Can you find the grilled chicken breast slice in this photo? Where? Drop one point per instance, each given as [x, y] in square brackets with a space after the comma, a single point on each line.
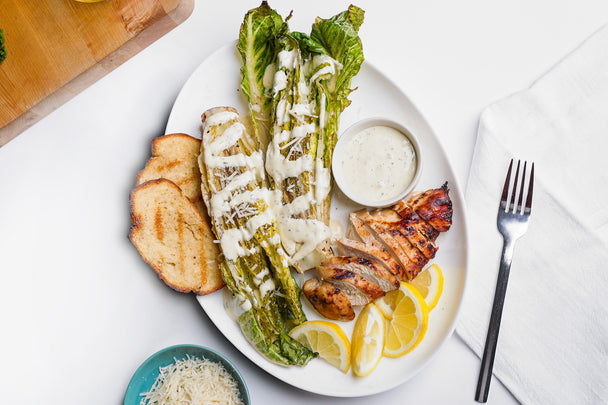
[396, 244]
[390, 219]
[348, 247]
[434, 206]
[355, 295]
[368, 269]
[410, 217]
[417, 260]
[357, 230]
[329, 300]
[333, 274]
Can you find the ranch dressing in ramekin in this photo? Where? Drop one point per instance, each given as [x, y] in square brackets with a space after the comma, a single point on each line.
[379, 163]
[376, 162]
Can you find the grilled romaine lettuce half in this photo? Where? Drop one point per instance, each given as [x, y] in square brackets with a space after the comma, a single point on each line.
[254, 265]
[256, 45]
[300, 83]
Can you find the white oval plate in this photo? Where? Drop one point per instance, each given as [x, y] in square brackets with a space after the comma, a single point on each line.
[215, 83]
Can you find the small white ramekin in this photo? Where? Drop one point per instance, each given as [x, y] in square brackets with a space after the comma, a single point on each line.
[339, 155]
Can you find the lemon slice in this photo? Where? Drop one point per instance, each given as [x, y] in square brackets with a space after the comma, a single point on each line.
[429, 284]
[327, 339]
[407, 319]
[368, 340]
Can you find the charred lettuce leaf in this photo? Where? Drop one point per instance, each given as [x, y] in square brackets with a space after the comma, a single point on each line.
[256, 44]
[339, 36]
[297, 85]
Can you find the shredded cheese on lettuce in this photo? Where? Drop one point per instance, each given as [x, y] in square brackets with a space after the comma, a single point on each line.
[193, 381]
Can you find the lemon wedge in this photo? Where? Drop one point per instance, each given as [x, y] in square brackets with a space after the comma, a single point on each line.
[368, 340]
[429, 284]
[407, 319]
[327, 339]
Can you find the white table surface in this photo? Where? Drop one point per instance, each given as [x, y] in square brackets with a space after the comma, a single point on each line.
[80, 310]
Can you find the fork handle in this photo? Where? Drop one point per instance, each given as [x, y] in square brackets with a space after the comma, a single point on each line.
[487, 362]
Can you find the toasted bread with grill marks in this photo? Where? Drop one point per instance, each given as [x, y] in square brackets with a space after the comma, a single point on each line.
[175, 157]
[173, 237]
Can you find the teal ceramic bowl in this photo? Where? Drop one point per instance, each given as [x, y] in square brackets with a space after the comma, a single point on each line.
[147, 373]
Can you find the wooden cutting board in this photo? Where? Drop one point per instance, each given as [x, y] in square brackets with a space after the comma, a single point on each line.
[56, 48]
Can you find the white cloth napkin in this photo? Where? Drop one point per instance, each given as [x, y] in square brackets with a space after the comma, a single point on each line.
[553, 342]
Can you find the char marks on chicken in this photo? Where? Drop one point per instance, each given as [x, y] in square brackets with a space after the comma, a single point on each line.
[434, 206]
[342, 275]
[366, 268]
[381, 248]
[329, 300]
[349, 247]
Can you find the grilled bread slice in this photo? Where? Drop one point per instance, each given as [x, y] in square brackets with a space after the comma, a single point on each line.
[173, 237]
[175, 158]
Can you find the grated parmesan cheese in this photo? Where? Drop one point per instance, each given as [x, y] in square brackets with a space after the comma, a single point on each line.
[193, 381]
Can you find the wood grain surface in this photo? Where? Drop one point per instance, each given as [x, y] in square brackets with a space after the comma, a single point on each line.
[57, 48]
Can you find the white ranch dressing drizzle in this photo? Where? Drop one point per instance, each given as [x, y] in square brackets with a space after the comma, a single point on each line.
[287, 59]
[280, 168]
[230, 136]
[220, 118]
[302, 130]
[224, 201]
[256, 222]
[282, 108]
[379, 163]
[322, 174]
[329, 66]
[223, 196]
[302, 235]
[299, 205]
[230, 243]
[238, 160]
[280, 81]
[247, 197]
[299, 236]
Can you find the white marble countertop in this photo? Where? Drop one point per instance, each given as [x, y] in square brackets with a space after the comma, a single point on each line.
[79, 309]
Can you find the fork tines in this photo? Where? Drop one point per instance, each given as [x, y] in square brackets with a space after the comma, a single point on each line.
[517, 209]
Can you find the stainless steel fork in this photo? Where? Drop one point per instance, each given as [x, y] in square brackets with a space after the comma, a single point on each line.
[512, 223]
